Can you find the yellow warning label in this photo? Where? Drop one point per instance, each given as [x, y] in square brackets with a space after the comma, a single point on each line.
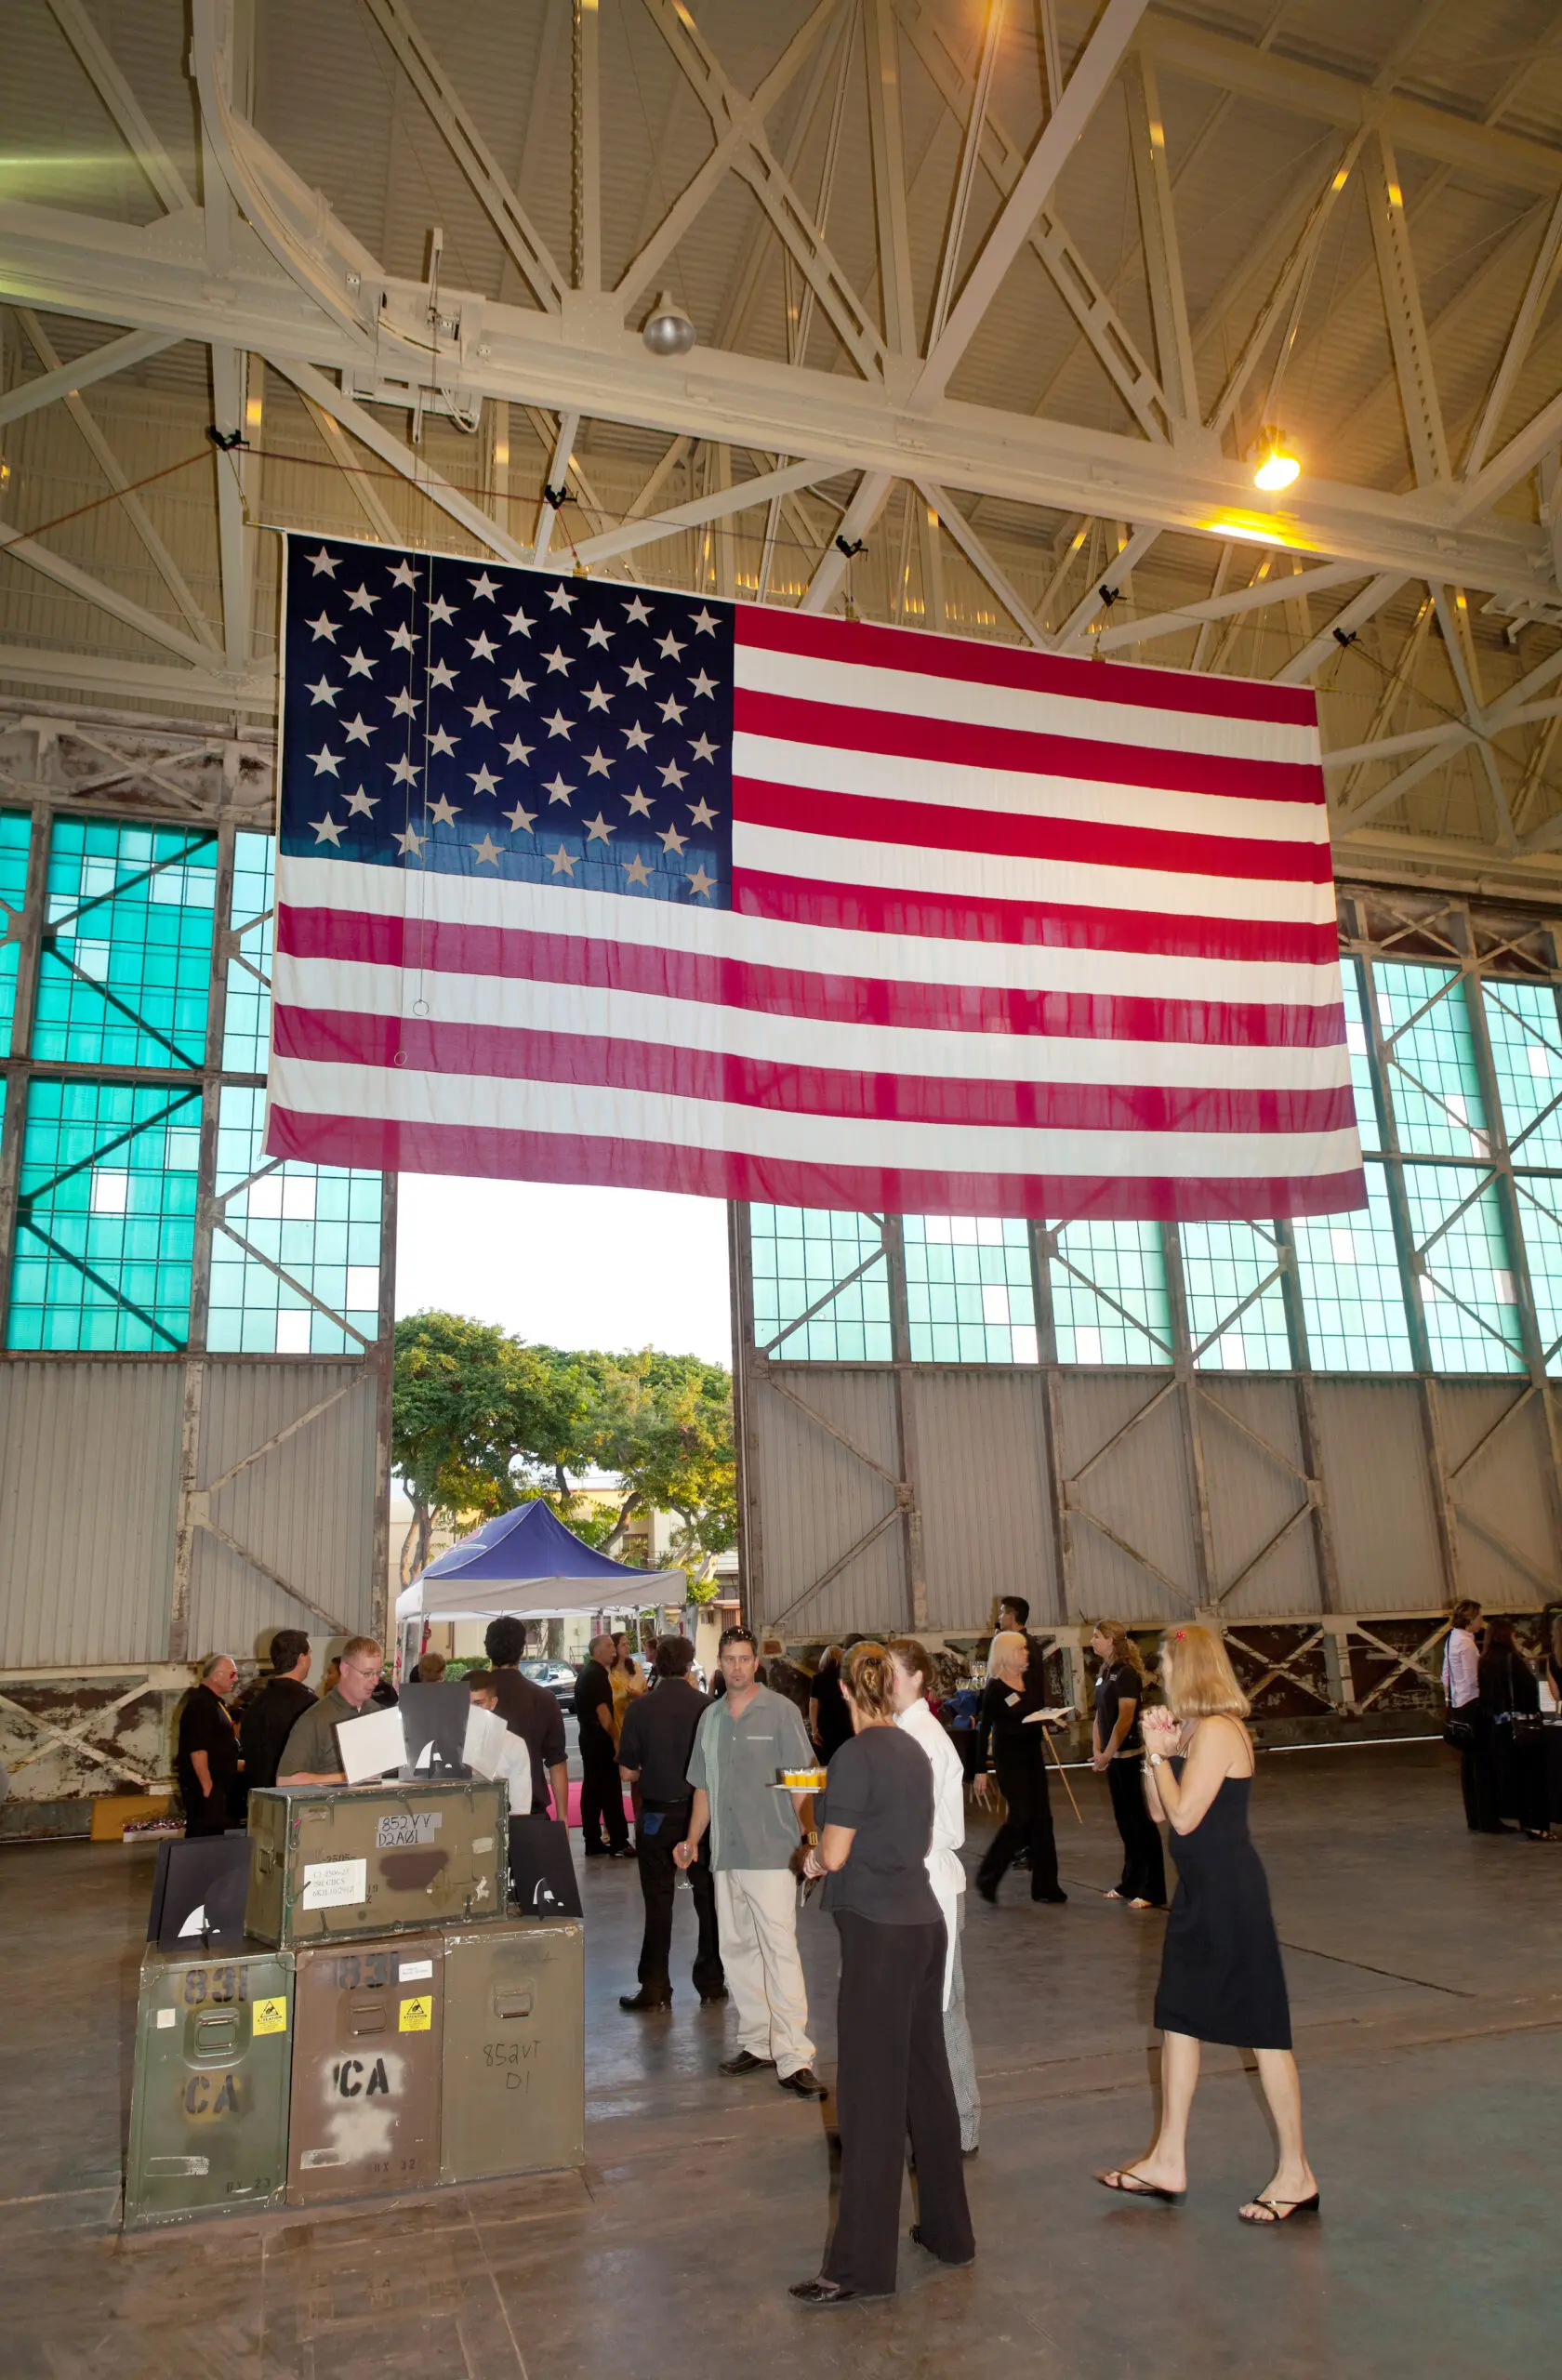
[270, 2016]
[416, 2016]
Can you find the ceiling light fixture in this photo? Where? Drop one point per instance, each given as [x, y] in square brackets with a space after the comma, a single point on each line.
[1276, 465]
[668, 330]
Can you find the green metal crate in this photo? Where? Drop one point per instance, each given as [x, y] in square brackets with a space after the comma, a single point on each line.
[208, 2108]
[346, 1863]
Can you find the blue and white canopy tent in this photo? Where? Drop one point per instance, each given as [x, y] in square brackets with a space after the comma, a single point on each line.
[527, 1562]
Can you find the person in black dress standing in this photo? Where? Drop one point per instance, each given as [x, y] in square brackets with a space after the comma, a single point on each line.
[1010, 1721]
[830, 1723]
[1510, 1702]
[1119, 1691]
[892, 2070]
[1221, 1975]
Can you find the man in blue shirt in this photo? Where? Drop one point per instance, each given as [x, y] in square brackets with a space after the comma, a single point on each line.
[744, 1741]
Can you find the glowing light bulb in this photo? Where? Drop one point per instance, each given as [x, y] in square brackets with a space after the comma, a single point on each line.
[1277, 467]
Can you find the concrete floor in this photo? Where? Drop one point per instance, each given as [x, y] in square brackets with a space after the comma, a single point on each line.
[1426, 1968]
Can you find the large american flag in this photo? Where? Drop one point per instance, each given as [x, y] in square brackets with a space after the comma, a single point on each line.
[579, 882]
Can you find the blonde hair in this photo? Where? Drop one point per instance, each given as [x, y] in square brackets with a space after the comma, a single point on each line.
[1006, 1641]
[867, 1674]
[1123, 1646]
[1201, 1682]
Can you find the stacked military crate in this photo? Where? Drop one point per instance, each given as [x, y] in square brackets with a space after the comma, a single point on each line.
[383, 2027]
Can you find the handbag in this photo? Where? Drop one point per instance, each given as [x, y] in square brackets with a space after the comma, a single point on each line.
[1459, 1731]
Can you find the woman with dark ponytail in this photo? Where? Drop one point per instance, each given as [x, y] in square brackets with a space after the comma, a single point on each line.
[1116, 1752]
[893, 2071]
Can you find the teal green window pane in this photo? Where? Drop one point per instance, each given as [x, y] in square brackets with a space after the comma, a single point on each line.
[1467, 1290]
[1236, 1314]
[1357, 1041]
[1109, 1299]
[1431, 1061]
[318, 1223]
[797, 1253]
[246, 1029]
[1353, 1302]
[16, 835]
[1525, 1036]
[1540, 1220]
[105, 1217]
[124, 969]
[968, 1289]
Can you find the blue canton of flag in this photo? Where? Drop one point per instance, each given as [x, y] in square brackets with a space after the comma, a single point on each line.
[483, 722]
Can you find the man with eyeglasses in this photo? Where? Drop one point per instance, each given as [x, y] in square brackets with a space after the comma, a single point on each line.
[310, 1756]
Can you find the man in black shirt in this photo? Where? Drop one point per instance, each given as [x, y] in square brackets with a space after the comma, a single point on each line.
[268, 1718]
[602, 1794]
[654, 1753]
[530, 1713]
[207, 1763]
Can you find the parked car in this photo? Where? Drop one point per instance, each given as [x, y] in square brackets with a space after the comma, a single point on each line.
[557, 1677]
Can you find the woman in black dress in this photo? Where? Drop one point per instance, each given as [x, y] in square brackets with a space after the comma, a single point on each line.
[1114, 1754]
[892, 2070]
[1510, 1703]
[1221, 1977]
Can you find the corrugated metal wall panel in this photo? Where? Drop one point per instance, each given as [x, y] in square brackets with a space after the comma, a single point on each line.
[1141, 1489]
[982, 1476]
[817, 1500]
[1373, 1455]
[1508, 1550]
[306, 1508]
[1252, 1494]
[88, 1483]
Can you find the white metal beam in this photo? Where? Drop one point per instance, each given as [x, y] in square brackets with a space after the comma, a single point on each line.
[481, 169]
[1543, 274]
[106, 598]
[1115, 347]
[965, 172]
[887, 151]
[586, 148]
[122, 104]
[1093, 72]
[1407, 322]
[1289, 290]
[109, 681]
[1157, 232]
[872, 493]
[718, 505]
[1105, 592]
[557, 479]
[113, 471]
[418, 474]
[229, 372]
[1226, 606]
[67, 379]
[1300, 668]
[983, 562]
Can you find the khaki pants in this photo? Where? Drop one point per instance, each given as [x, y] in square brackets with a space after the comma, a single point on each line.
[756, 1910]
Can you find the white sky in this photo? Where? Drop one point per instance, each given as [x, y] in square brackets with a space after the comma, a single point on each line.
[578, 1268]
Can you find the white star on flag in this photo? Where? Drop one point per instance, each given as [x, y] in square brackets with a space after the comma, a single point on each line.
[487, 852]
[597, 698]
[672, 840]
[561, 598]
[702, 749]
[700, 882]
[670, 645]
[483, 587]
[441, 610]
[323, 627]
[442, 674]
[325, 561]
[443, 812]
[705, 622]
[520, 687]
[361, 802]
[483, 648]
[637, 674]
[636, 870]
[558, 725]
[441, 742]
[521, 820]
[517, 751]
[357, 730]
[597, 633]
[637, 609]
[597, 763]
[326, 763]
[637, 738]
[672, 709]
[363, 601]
[322, 693]
[558, 659]
[701, 684]
[598, 829]
[411, 842]
[482, 781]
[403, 576]
[702, 814]
[673, 774]
[518, 624]
[401, 639]
[358, 664]
[405, 704]
[558, 790]
[327, 832]
[640, 803]
[563, 861]
[480, 714]
[404, 771]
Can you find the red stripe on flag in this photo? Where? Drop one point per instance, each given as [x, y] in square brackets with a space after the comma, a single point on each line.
[866, 908]
[957, 745]
[867, 646]
[515, 953]
[489, 1152]
[931, 826]
[662, 1070]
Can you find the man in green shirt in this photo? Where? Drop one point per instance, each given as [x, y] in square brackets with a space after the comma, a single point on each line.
[310, 1756]
[744, 1742]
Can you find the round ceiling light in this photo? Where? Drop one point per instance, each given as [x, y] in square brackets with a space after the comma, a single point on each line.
[668, 330]
[1276, 465]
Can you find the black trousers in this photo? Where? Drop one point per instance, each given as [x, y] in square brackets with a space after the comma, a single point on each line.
[892, 2077]
[1021, 1780]
[1143, 1868]
[207, 1813]
[662, 1826]
[601, 1802]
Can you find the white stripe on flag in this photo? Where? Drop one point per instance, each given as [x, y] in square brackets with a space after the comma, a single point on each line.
[410, 1096]
[973, 702]
[361, 988]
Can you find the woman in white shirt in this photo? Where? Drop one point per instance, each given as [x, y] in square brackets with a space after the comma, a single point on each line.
[913, 1673]
[1462, 1692]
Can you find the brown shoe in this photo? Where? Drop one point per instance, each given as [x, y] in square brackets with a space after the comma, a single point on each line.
[803, 2084]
